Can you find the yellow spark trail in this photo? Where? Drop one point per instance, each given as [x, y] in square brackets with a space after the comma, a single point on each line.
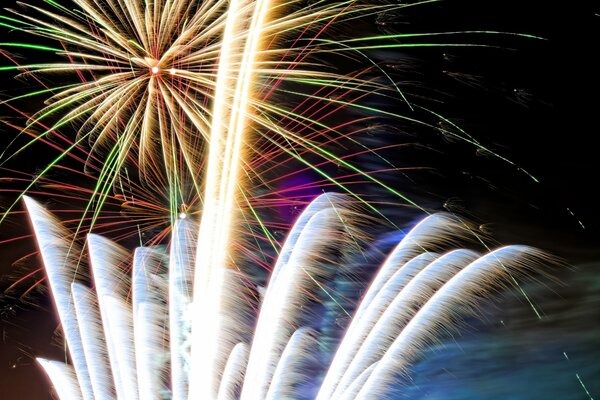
[229, 123]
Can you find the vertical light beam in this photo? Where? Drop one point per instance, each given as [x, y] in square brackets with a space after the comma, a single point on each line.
[239, 49]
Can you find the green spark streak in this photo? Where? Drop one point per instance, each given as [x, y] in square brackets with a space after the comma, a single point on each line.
[140, 235]
[40, 175]
[5, 25]
[32, 94]
[583, 386]
[268, 234]
[403, 45]
[412, 36]
[332, 157]
[307, 121]
[298, 157]
[55, 4]
[254, 237]
[61, 67]
[348, 13]
[467, 139]
[471, 140]
[44, 134]
[428, 34]
[327, 292]
[343, 221]
[375, 65]
[106, 180]
[30, 46]
[137, 45]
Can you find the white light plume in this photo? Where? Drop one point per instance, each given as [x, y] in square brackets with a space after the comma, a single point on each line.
[426, 289]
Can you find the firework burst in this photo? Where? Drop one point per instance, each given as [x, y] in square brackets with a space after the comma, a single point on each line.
[188, 95]
[123, 334]
[160, 87]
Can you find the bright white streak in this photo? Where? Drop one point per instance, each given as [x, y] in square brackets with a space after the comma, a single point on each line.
[233, 374]
[360, 328]
[94, 345]
[417, 313]
[293, 369]
[434, 230]
[60, 262]
[322, 202]
[430, 232]
[63, 378]
[183, 243]
[352, 391]
[212, 249]
[401, 310]
[459, 293]
[118, 328]
[226, 138]
[149, 321]
[284, 299]
[112, 286]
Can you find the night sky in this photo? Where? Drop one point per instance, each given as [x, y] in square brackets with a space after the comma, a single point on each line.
[534, 101]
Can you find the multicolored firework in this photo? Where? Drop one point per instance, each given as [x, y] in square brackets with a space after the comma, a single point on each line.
[149, 86]
[154, 84]
[185, 112]
[133, 336]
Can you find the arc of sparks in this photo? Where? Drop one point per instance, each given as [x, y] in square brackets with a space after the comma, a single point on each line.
[123, 333]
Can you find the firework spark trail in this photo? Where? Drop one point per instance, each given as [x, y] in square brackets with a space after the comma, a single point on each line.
[355, 334]
[151, 83]
[325, 229]
[62, 270]
[149, 306]
[181, 86]
[112, 286]
[226, 136]
[188, 83]
[180, 297]
[297, 358]
[94, 347]
[63, 379]
[233, 373]
[423, 298]
[165, 69]
[460, 292]
[396, 314]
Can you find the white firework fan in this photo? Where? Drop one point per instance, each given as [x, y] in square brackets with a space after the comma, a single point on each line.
[139, 335]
